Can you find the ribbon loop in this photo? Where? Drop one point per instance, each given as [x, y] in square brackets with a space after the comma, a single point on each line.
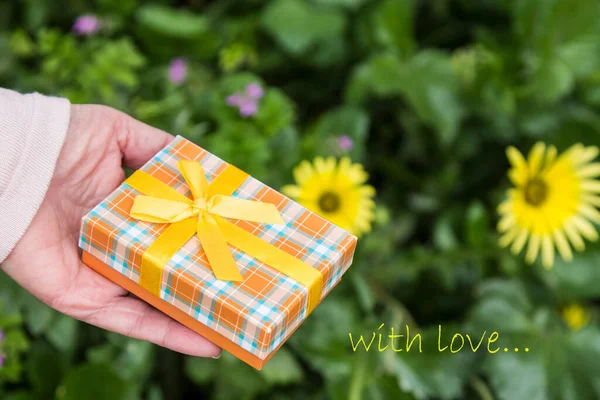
[247, 210]
[153, 209]
[194, 177]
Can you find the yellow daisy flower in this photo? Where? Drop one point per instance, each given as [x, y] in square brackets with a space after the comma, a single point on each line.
[336, 191]
[552, 203]
[575, 316]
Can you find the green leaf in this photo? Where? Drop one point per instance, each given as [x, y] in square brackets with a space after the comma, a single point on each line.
[393, 25]
[444, 236]
[38, 316]
[382, 75]
[17, 340]
[135, 359]
[560, 365]
[200, 370]
[365, 294]
[490, 310]
[10, 320]
[553, 80]
[45, 369]
[173, 23]
[103, 354]
[385, 388]
[517, 376]
[430, 87]
[243, 142]
[92, 382]
[62, 333]
[237, 380]
[19, 395]
[426, 81]
[275, 113]
[21, 44]
[349, 4]
[562, 37]
[552, 362]
[297, 25]
[433, 373]
[547, 24]
[578, 279]
[282, 368]
[122, 7]
[155, 393]
[477, 224]
[36, 14]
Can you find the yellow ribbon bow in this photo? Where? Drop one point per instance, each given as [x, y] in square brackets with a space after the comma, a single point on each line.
[205, 210]
[205, 216]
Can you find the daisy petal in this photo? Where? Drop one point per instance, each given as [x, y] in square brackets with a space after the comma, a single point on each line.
[551, 156]
[532, 249]
[547, 252]
[505, 207]
[515, 157]
[508, 237]
[320, 165]
[520, 241]
[590, 199]
[535, 158]
[292, 191]
[303, 172]
[574, 236]
[589, 171]
[587, 155]
[518, 174]
[507, 222]
[562, 245]
[585, 228]
[591, 186]
[367, 190]
[589, 212]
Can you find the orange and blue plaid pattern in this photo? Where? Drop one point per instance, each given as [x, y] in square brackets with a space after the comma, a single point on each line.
[259, 313]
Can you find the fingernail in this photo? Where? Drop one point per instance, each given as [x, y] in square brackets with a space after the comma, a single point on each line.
[217, 357]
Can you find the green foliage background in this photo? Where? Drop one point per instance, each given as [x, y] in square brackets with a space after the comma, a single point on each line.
[431, 92]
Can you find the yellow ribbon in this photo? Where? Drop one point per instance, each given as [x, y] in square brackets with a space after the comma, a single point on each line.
[203, 216]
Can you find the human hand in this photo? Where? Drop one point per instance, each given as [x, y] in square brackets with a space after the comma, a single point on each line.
[46, 260]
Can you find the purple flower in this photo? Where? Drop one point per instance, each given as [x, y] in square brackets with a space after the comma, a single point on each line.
[235, 100]
[178, 70]
[246, 101]
[254, 90]
[2, 359]
[248, 108]
[86, 25]
[345, 143]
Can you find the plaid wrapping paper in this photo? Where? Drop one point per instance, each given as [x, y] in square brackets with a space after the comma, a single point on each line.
[257, 314]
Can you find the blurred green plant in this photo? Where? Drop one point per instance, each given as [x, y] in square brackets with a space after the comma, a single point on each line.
[427, 95]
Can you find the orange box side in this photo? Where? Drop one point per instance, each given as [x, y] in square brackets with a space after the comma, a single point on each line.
[175, 313]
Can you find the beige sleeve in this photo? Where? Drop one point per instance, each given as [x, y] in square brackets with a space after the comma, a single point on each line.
[32, 132]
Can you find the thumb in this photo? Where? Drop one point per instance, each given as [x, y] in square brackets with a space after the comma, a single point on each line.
[138, 142]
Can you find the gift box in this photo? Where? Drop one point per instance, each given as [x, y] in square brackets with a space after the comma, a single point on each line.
[216, 249]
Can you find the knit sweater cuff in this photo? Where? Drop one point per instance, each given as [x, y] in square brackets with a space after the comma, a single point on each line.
[32, 132]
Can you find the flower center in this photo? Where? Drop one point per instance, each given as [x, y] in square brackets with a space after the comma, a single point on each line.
[536, 192]
[329, 202]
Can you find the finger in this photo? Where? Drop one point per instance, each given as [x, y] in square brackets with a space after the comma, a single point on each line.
[134, 318]
[139, 142]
